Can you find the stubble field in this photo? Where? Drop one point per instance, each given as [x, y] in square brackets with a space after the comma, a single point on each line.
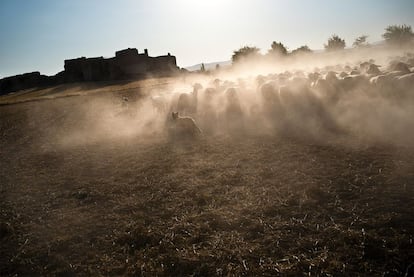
[223, 205]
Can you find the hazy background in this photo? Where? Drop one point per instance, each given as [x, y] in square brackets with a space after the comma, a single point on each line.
[39, 35]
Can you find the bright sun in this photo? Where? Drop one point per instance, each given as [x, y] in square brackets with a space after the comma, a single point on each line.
[208, 6]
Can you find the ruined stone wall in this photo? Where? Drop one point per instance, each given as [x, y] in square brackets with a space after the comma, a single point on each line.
[73, 70]
[164, 64]
[127, 64]
[95, 69]
[86, 69]
[132, 65]
[23, 81]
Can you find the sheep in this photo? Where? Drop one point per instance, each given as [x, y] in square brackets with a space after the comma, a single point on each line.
[187, 102]
[299, 82]
[399, 66]
[270, 96]
[364, 66]
[353, 82]
[407, 80]
[233, 113]
[260, 80]
[343, 74]
[184, 126]
[331, 77]
[328, 90]
[233, 106]
[373, 70]
[405, 85]
[380, 80]
[272, 109]
[207, 111]
[313, 76]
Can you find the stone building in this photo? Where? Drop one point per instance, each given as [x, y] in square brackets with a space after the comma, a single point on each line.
[127, 64]
[86, 69]
[22, 81]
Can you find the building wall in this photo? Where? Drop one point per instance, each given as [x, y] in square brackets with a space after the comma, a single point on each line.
[127, 64]
[23, 81]
[86, 69]
[164, 63]
[73, 70]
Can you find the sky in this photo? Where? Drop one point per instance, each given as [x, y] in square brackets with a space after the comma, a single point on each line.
[38, 35]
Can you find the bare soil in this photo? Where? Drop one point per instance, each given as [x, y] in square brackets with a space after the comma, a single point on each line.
[218, 206]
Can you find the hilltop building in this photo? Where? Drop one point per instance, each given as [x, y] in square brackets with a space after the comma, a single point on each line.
[127, 64]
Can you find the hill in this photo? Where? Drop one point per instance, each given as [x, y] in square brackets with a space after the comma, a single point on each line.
[208, 66]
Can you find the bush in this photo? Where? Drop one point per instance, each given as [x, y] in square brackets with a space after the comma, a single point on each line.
[301, 50]
[245, 52]
[361, 41]
[335, 43]
[398, 34]
[277, 48]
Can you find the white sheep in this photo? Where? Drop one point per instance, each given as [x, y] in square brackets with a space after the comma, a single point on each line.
[187, 102]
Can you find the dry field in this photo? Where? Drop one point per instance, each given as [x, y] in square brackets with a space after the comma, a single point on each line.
[142, 205]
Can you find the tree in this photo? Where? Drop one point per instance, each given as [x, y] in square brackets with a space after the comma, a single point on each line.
[278, 48]
[303, 49]
[335, 43]
[398, 34]
[361, 41]
[245, 52]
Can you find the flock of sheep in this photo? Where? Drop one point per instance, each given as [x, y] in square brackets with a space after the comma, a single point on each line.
[299, 102]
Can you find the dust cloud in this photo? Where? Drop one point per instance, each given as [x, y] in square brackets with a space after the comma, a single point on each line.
[365, 94]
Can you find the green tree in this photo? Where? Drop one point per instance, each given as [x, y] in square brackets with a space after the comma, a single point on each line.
[361, 41]
[245, 52]
[278, 48]
[303, 49]
[398, 34]
[335, 43]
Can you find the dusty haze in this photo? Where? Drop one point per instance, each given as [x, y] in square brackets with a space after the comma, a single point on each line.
[310, 106]
[304, 167]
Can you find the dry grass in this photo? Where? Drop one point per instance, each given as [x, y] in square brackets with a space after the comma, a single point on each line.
[225, 206]
[82, 89]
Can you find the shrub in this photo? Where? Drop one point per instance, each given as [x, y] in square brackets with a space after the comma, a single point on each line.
[335, 43]
[398, 34]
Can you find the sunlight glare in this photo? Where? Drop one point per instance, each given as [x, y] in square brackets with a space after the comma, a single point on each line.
[209, 6]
